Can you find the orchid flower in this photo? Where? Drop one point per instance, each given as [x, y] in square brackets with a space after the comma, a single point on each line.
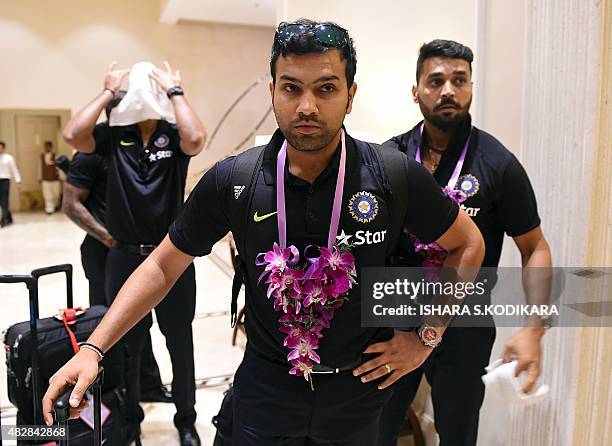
[305, 348]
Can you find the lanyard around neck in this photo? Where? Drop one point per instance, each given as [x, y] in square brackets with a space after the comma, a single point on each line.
[455, 176]
[280, 195]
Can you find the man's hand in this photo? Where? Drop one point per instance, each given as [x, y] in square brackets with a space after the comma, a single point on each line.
[398, 356]
[166, 79]
[107, 240]
[525, 346]
[113, 78]
[82, 371]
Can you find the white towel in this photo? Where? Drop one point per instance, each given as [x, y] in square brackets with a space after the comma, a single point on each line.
[500, 380]
[144, 99]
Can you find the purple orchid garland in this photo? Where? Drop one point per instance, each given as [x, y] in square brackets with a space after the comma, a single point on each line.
[307, 297]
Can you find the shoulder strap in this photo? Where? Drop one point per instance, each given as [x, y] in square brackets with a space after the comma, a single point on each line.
[244, 177]
[393, 164]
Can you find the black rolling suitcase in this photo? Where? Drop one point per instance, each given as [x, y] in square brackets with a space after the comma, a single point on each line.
[36, 349]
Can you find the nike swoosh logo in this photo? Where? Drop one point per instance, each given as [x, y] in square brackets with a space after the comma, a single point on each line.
[126, 144]
[258, 218]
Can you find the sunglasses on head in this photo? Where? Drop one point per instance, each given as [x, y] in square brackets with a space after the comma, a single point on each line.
[327, 34]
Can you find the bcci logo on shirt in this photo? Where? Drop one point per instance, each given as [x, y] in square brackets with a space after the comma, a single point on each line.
[469, 185]
[363, 207]
[162, 141]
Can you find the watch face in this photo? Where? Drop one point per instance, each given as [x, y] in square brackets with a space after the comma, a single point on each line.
[429, 334]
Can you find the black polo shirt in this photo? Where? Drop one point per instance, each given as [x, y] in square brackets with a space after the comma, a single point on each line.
[88, 171]
[146, 185]
[308, 209]
[500, 197]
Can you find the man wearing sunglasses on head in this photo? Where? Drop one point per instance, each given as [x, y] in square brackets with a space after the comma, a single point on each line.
[147, 143]
[314, 192]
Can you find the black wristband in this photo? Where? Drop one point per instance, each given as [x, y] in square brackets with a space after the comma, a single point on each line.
[175, 91]
[93, 347]
[106, 88]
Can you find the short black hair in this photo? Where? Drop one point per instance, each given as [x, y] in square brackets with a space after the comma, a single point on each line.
[114, 102]
[2, 144]
[307, 43]
[48, 143]
[443, 48]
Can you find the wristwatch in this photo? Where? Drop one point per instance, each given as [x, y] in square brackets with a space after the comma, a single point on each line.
[429, 336]
[175, 91]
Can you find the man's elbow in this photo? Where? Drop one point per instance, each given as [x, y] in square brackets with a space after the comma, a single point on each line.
[477, 245]
[70, 136]
[77, 141]
[194, 144]
[472, 246]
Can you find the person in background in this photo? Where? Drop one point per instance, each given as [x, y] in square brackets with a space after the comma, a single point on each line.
[494, 190]
[8, 170]
[51, 184]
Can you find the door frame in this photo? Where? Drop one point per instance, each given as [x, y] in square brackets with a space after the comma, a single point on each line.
[8, 132]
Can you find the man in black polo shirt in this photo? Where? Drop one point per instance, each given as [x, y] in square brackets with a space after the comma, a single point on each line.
[84, 202]
[147, 169]
[313, 67]
[499, 198]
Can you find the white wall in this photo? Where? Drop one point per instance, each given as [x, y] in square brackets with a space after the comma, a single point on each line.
[55, 54]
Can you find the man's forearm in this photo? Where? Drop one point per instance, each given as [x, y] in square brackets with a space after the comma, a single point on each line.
[190, 128]
[537, 280]
[465, 263]
[79, 131]
[144, 289]
[79, 214]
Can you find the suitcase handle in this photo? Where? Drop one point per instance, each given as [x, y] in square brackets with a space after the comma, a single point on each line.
[28, 280]
[63, 268]
[62, 408]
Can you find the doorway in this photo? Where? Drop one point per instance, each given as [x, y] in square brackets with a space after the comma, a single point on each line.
[31, 132]
[25, 131]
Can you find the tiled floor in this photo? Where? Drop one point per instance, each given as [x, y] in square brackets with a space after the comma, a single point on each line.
[37, 240]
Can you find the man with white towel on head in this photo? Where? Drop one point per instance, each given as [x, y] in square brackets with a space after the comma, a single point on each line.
[148, 142]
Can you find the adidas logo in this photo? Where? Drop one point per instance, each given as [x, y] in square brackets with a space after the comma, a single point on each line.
[237, 191]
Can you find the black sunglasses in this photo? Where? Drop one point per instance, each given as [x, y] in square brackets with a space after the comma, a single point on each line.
[143, 164]
[327, 34]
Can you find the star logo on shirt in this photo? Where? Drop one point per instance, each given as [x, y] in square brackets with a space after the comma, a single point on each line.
[343, 238]
[153, 157]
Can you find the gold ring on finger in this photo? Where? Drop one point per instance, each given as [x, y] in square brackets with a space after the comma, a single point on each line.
[388, 368]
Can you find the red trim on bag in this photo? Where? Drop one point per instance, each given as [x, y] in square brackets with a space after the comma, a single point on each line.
[69, 317]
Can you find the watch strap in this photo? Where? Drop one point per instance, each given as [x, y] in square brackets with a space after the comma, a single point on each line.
[175, 91]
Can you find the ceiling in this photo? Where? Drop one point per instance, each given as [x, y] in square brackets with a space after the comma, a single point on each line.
[237, 12]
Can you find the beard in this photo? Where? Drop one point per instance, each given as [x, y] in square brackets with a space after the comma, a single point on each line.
[443, 120]
[309, 143]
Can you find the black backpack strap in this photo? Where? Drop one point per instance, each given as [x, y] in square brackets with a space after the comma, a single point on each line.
[394, 168]
[244, 177]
